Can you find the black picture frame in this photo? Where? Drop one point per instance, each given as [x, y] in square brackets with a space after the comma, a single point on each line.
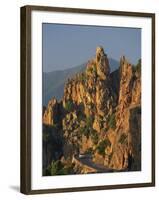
[25, 185]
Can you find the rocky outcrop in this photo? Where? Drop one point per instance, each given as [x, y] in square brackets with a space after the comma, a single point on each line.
[100, 114]
[53, 113]
[128, 120]
[92, 88]
[102, 64]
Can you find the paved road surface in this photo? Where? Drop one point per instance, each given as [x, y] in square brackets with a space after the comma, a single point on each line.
[88, 161]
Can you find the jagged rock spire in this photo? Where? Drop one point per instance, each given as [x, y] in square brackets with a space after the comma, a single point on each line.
[97, 103]
[102, 63]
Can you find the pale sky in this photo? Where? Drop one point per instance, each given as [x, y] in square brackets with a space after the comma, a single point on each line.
[66, 46]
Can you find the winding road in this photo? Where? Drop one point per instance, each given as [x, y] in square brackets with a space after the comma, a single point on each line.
[87, 160]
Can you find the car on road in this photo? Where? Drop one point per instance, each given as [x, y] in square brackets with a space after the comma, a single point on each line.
[88, 156]
[82, 156]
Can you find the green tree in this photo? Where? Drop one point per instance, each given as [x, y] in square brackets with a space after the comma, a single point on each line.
[58, 168]
[69, 106]
[138, 66]
[89, 122]
[86, 132]
[89, 151]
[55, 167]
[94, 69]
[102, 146]
[45, 136]
[123, 138]
[112, 122]
[82, 77]
[94, 136]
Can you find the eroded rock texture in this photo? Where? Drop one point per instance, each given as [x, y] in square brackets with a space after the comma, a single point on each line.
[100, 114]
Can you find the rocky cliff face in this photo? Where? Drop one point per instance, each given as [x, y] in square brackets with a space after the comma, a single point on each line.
[100, 114]
[126, 145]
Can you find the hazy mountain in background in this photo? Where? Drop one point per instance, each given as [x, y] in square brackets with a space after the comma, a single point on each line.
[53, 82]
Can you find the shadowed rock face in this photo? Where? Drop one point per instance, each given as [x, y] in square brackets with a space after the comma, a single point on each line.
[128, 121]
[100, 113]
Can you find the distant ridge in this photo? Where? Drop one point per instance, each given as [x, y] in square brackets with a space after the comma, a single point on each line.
[53, 82]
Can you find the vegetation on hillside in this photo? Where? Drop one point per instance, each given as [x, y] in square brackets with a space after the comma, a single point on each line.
[58, 168]
[112, 121]
[68, 106]
[102, 146]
